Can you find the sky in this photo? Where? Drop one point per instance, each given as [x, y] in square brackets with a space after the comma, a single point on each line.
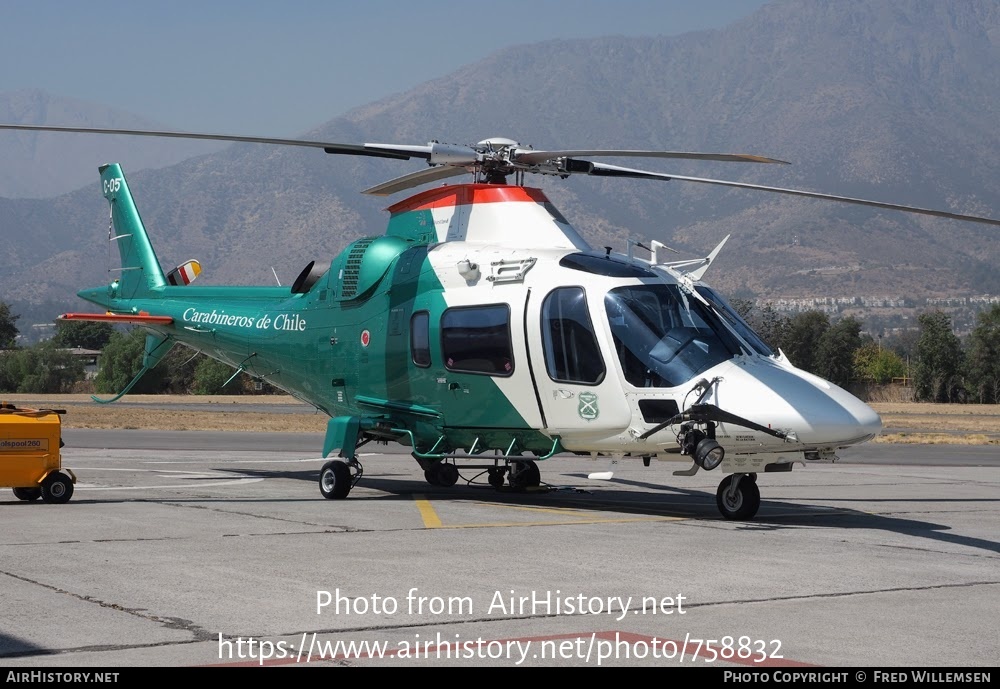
[273, 68]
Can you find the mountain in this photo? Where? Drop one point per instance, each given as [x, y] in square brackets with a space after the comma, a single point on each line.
[47, 166]
[894, 101]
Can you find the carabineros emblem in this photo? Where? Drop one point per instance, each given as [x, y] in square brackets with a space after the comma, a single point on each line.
[588, 406]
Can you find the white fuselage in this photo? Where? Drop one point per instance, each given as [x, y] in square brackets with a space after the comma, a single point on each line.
[614, 345]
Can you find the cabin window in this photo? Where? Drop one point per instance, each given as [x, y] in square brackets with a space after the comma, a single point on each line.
[664, 338]
[605, 265]
[476, 339]
[571, 351]
[420, 341]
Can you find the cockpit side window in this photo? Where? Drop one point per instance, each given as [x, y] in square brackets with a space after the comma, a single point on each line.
[664, 338]
[476, 339]
[572, 354]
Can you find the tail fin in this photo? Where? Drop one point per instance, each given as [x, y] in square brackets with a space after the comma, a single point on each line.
[140, 270]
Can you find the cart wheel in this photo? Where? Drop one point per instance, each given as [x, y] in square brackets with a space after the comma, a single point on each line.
[57, 488]
[27, 494]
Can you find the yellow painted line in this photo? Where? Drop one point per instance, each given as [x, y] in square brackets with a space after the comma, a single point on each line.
[427, 513]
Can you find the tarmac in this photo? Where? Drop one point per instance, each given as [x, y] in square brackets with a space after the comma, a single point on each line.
[209, 549]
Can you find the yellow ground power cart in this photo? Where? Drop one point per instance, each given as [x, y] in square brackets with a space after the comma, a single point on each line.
[30, 461]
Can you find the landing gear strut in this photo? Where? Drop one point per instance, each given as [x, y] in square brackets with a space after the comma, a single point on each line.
[738, 497]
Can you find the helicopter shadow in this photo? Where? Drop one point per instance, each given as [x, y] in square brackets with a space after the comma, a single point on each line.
[777, 514]
[659, 500]
[13, 647]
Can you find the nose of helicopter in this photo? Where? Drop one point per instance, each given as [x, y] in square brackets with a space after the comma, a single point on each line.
[820, 413]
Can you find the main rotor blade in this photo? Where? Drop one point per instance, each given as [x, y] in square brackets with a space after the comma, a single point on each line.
[434, 153]
[329, 147]
[533, 157]
[603, 170]
[415, 179]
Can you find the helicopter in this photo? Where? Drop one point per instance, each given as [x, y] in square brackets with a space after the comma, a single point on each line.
[482, 328]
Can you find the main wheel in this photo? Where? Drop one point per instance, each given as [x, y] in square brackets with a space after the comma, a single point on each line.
[527, 475]
[447, 474]
[743, 504]
[431, 476]
[335, 480]
[57, 488]
[441, 474]
[27, 494]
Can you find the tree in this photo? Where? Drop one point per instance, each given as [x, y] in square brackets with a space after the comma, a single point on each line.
[8, 375]
[85, 334]
[210, 376]
[179, 365]
[903, 343]
[835, 351]
[8, 329]
[121, 360]
[42, 369]
[937, 374]
[984, 357]
[875, 364]
[742, 306]
[771, 326]
[802, 338]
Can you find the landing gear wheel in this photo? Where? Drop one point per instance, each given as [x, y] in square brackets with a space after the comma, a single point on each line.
[335, 480]
[447, 474]
[57, 488]
[495, 476]
[526, 476]
[441, 474]
[741, 505]
[27, 494]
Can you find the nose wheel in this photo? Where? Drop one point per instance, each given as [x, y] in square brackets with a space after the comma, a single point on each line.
[738, 497]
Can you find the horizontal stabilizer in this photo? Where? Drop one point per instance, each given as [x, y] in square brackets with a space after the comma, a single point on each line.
[141, 317]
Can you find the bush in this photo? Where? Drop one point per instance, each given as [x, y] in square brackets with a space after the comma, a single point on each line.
[42, 369]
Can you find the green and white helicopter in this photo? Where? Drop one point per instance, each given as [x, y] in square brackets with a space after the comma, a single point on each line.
[482, 329]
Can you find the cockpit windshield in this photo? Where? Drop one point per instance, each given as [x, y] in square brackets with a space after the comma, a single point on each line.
[663, 337]
[734, 319]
